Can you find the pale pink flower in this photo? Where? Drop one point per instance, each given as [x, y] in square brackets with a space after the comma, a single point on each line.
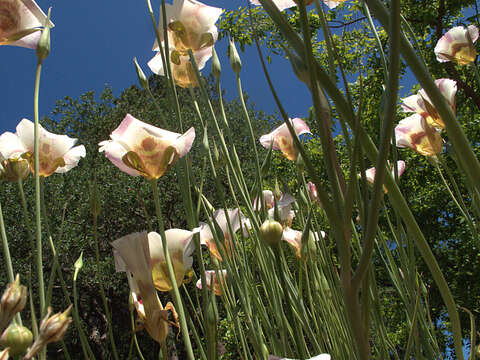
[191, 25]
[312, 192]
[138, 148]
[57, 153]
[218, 281]
[21, 22]
[415, 133]
[422, 105]
[237, 220]
[457, 45]
[282, 139]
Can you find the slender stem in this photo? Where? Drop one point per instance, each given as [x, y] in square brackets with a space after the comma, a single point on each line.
[6, 250]
[102, 290]
[38, 211]
[477, 75]
[176, 293]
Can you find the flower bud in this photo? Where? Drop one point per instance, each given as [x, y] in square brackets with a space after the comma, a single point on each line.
[17, 338]
[271, 232]
[235, 61]
[142, 79]
[212, 313]
[52, 329]
[13, 301]
[43, 46]
[14, 169]
[4, 354]
[277, 194]
[216, 67]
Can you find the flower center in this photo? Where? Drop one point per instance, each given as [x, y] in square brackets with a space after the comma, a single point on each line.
[9, 17]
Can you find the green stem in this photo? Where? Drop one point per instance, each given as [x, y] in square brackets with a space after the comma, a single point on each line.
[38, 211]
[102, 290]
[176, 293]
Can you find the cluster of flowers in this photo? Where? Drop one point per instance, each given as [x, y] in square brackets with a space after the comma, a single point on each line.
[422, 130]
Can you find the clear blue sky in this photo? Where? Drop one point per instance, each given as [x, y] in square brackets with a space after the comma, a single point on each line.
[93, 44]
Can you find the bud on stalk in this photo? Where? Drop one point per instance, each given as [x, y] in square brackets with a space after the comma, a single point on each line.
[271, 232]
[17, 338]
[13, 301]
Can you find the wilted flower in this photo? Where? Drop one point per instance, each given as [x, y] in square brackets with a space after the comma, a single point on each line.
[237, 221]
[132, 254]
[285, 212]
[13, 301]
[21, 22]
[182, 69]
[17, 338]
[422, 105]
[52, 329]
[138, 148]
[180, 248]
[286, 4]
[457, 45]
[57, 153]
[294, 239]
[218, 281]
[370, 173]
[282, 139]
[191, 25]
[415, 133]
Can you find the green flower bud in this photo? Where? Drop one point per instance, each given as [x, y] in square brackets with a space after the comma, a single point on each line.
[299, 67]
[235, 61]
[17, 338]
[271, 232]
[13, 301]
[216, 67]
[43, 47]
[14, 169]
[142, 79]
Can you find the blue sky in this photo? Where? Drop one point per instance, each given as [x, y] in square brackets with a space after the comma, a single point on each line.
[93, 44]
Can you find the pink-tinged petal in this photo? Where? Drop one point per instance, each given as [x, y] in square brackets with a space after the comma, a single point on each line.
[312, 192]
[413, 103]
[71, 158]
[448, 88]
[114, 152]
[370, 174]
[156, 65]
[30, 41]
[215, 278]
[183, 144]
[400, 167]
[473, 30]
[266, 141]
[195, 16]
[281, 4]
[333, 4]
[294, 238]
[10, 146]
